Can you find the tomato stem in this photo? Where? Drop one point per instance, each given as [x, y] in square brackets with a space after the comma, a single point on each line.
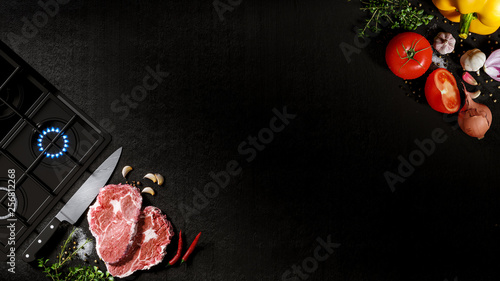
[410, 52]
[465, 21]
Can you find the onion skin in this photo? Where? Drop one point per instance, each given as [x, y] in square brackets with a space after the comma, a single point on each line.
[492, 65]
[474, 126]
[474, 118]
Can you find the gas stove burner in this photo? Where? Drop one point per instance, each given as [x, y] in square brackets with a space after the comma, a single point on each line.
[58, 149]
[45, 138]
[13, 94]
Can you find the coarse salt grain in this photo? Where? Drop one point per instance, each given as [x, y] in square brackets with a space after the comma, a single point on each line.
[440, 61]
[80, 238]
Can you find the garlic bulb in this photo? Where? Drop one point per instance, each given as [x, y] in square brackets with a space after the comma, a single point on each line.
[444, 43]
[473, 60]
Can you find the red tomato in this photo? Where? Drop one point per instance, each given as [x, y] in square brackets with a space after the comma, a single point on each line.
[441, 91]
[408, 55]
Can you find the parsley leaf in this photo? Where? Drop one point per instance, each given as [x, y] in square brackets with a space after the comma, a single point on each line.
[395, 13]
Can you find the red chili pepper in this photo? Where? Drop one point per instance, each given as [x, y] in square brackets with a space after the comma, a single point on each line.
[179, 249]
[191, 248]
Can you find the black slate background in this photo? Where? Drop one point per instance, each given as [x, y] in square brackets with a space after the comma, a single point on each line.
[322, 176]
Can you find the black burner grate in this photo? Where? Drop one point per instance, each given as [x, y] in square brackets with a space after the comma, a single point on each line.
[45, 139]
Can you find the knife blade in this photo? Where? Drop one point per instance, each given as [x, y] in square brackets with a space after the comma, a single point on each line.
[76, 205]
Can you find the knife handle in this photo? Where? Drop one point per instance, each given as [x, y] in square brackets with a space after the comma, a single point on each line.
[40, 240]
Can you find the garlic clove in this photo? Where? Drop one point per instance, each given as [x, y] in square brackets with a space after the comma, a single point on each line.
[469, 79]
[151, 177]
[126, 170]
[475, 94]
[148, 190]
[159, 178]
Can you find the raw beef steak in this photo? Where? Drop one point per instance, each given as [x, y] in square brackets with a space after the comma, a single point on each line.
[153, 235]
[113, 220]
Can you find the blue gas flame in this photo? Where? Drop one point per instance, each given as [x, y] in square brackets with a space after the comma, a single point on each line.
[52, 131]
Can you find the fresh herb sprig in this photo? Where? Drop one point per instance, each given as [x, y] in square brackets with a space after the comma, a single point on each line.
[86, 273]
[395, 13]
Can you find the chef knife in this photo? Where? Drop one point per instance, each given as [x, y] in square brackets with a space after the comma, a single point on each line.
[77, 204]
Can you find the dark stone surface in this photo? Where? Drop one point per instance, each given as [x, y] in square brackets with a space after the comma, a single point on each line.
[321, 176]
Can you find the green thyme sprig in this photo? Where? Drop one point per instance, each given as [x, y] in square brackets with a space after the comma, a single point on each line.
[86, 273]
[395, 13]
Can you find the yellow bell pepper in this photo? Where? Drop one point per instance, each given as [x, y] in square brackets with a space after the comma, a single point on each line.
[477, 16]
